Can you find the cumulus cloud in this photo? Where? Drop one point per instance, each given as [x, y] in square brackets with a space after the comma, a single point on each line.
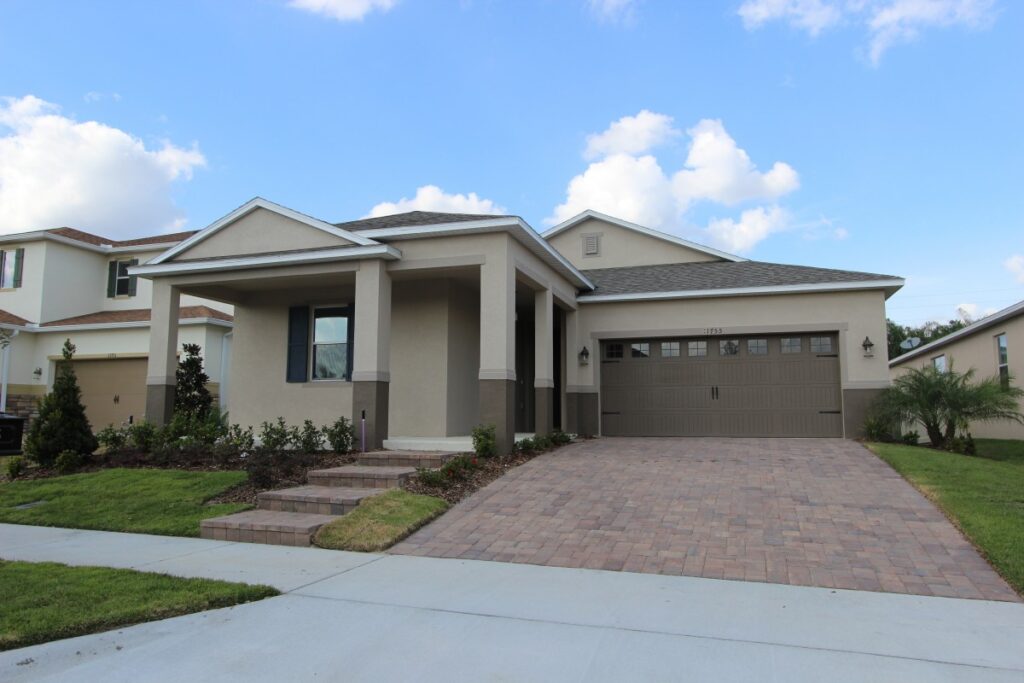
[433, 198]
[886, 22]
[613, 11]
[626, 181]
[57, 171]
[343, 10]
[1015, 264]
[971, 312]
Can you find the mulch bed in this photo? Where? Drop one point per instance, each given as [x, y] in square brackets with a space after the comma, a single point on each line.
[489, 469]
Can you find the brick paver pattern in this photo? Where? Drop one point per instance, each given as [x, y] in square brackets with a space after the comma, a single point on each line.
[809, 512]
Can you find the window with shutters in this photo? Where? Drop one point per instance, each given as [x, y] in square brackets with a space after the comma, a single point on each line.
[11, 267]
[592, 245]
[332, 343]
[119, 282]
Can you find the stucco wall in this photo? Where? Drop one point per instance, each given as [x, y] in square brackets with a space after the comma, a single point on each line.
[978, 351]
[261, 232]
[463, 359]
[25, 301]
[419, 358]
[621, 247]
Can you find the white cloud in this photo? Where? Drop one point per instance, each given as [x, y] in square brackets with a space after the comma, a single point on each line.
[632, 135]
[886, 22]
[753, 226]
[94, 96]
[613, 11]
[57, 171]
[1015, 264]
[343, 10]
[433, 198]
[972, 312]
[840, 233]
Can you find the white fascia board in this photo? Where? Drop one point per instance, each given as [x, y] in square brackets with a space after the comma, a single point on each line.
[133, 324]
[134, 248]
[249, 207]
[513, 224]
[990, 321]
[742, 291]
[650, 232]
[288, 259]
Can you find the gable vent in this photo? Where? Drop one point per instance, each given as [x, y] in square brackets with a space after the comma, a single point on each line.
[591, 245]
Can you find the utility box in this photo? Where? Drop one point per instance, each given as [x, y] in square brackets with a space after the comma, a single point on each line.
[12, 429]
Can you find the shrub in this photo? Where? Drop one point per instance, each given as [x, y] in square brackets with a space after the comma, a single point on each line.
[112, 438]
[485, 441]
[455, 470]
[560, 438]
[878, 428]
[242, 440]
[526, 445]
[341, 435]
[142, 435]
[432, 478]
[309, 439]
[542, 442]
[69, 461]
[911, 438]
[276, 436]
[15, 467]
[61, 425]
[191, 397]
[260, 467]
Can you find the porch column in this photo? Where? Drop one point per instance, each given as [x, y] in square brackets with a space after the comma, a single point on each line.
[163, 350]
[544, 363]
[371, 375]
[581, 399]
[498, 347]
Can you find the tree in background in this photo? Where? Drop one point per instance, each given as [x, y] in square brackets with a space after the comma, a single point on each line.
[192, 399]
[62, 424]
[929, 332]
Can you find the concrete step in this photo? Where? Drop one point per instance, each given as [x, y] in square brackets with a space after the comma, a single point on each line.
[430, 459]
[323, 500]
[265, 526]
[361, 476]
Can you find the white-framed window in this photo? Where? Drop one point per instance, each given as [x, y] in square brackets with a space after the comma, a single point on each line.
[592, 244]
[729, 347]
[939, 363]
[821, 344]
[670, 349]
[10, 268]
[1003, 360]
[697, 349]
[640, 350]
[331, 355]
[790, 345]
[757, 347]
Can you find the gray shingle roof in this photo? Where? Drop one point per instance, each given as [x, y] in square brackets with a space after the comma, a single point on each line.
[679, 277]
[401, 220]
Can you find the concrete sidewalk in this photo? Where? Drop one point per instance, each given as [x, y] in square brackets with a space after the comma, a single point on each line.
[349, 616]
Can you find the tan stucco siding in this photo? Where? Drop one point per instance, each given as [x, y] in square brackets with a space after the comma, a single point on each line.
[463, 392]
[261, 232]
[419, 359]
[259, 391]
[74, 282]
[26, 301]
[978, 351]
[620, 247]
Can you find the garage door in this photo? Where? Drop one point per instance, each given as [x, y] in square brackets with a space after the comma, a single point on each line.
[722, 386]
[112, 390]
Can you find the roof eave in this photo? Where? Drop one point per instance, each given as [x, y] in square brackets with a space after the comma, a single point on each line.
[886, 285]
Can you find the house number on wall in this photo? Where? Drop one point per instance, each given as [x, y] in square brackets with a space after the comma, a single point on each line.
[713, 330]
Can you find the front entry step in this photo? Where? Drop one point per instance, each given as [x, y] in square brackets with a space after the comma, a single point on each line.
[323, 500]
[362, 476]
[265, 526]
[428, 459]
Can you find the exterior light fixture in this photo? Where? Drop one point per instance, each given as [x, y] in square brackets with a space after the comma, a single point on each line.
[868, 347]
[37, 373]
[584, 356]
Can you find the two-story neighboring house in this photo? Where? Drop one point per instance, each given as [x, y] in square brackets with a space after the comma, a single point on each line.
[67, 284]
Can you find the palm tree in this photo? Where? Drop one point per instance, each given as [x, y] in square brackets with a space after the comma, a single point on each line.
[947, 401]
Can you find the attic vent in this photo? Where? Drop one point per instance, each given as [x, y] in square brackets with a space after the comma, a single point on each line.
[591, 245]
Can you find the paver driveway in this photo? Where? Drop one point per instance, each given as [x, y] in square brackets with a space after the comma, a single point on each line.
[818, 512]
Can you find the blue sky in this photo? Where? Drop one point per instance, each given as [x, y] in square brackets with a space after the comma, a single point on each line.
[877, 135]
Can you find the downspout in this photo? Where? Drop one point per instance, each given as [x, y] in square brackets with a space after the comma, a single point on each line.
[5, 365]
[225, 362]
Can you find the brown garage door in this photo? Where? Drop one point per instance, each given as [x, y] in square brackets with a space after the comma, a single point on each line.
[722, 386]
[112, 390]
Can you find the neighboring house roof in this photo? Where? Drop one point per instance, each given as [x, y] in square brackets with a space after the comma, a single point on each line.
[719, 278]
[87, 240]
[137, 315]
[657, 234]
[11, 319]
[1007, 313]
[401, 220]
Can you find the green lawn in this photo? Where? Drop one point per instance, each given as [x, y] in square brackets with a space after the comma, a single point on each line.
[167, 502]
[380, 522]
[45, 601]
[983, 494]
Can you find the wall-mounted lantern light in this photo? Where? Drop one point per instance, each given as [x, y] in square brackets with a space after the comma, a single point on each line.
[869, 347]
[37, 373]
[584, 356]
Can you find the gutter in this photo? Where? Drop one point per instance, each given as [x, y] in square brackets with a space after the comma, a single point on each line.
[742, 291]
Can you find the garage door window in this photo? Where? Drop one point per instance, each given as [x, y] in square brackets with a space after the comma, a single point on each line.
[670, 349]
[791, 344]
[729, 347]
[613, 351]
[821, 344]
[757, 347]
[697, 348]
[640, 350]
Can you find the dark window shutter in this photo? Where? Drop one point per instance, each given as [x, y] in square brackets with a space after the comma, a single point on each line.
[133, 280]
[111, 279]
[19, 258]
[298, 343]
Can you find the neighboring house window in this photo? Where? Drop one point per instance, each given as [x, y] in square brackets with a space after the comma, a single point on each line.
[757, 347]
[119, 282]
[613, 351]
[696, 348]
[332, 335]
[640, 350]
[10, 268]
[1003, 360]
[670, 349]
[791, 344]
[939, 363]
[591, 245]
[821, 344]
[729, 347]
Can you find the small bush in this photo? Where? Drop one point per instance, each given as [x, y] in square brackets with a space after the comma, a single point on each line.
[526, 446]
[560, 438]
[191, 397]
[485, 441]
[61, 424]
[15, 467]
[112, 438]
[432, 478]
[277, 436]
[261, 468]
[310, 439]
[341, 435]
[142, 435]
[241, 440]
[880, 429]
[455, 470]
[911, 438]
[69, 461]
[542, 442]
[964, 445]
